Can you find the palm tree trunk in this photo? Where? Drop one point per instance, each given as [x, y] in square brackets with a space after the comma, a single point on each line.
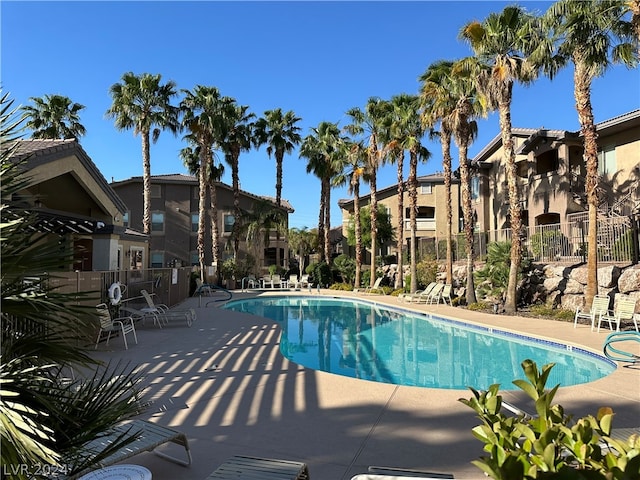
[323, 209]
[467, 212]
[400, 240]
[445, 140]
[235, 178]
[146, 185]
[215, 235]
[279, 159]
[358, 229]
[413, 201]
[374, 225]
[582, 92]
[327, 223]
[515, 212]
[202, 195]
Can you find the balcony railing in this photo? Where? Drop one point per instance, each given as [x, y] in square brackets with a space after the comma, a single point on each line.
[421, 224]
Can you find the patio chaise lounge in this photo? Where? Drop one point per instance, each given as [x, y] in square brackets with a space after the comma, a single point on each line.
[389, 473]
[417, 295]
[163, 312]
[241, 467]
[147, 436]
[375, 289]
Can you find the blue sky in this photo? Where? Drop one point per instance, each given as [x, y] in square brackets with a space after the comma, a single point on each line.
[318, 59]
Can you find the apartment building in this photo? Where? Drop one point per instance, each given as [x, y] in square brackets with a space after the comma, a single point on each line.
[552, 172]
[72, 200]
[174, 219]
[431, 214]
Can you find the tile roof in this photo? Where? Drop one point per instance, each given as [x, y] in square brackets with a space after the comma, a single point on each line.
[193, 180]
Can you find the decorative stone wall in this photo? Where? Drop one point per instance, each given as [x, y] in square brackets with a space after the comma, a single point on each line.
[561, 286]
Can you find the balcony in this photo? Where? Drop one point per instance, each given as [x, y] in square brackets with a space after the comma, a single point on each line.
[422, 224]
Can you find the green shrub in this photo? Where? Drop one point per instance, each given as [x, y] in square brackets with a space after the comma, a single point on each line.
[622, 249]
[346, 267]
[478, 306]
[550, 312]
[548, 244]
[549, 445]
[426, 272]
[341, 286]
[320, 273]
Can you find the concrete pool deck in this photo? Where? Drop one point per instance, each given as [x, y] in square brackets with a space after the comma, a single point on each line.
[225, 385]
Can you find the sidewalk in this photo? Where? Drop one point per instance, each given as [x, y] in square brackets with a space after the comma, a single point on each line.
[225, 385]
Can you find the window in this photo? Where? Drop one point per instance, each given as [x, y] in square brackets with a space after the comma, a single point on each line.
[195, 218]
[475, 188]
[156, 191]
[547, 162]
[157, 222]
[229, 221]
[425, 188]
[157, 259]
[426, 213]
[607, 161]
[195, 259]
[125, 219]
[136, 257]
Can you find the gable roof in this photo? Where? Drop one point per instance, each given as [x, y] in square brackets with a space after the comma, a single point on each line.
[621, 122]
[437, 177]
[38, 152]
[179, 178]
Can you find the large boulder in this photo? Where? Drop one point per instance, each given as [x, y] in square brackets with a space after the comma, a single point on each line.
[629, 280]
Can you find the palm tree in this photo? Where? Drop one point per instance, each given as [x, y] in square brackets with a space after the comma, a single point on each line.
[213, 173]
[258, 224]
[281, 134]
[371, 123]
[355, 160]
[142, 103]
[322, 150]
[438, 102]
[501, 43]
[592, 36]
[54, 116]
[43, 417]
[201, 118]
[235, 135]
[302, 242]
[408, 131]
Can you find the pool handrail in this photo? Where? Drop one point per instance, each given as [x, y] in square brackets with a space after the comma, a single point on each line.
[617, 354]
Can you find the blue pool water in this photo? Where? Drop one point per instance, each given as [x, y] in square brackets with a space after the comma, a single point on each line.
[360, 339]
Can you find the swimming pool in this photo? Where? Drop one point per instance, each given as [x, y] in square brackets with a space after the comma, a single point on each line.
[370, 341]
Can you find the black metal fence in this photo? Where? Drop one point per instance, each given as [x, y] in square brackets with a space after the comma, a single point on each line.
[618, 242]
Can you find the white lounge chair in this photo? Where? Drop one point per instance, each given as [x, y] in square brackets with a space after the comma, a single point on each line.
[375, 289]
[108, 325]
[624, 310]
[304, 281]
[436, 293]
[418, 295]
[143, 436]
[445, 295]
[163, 312]
[599, 306]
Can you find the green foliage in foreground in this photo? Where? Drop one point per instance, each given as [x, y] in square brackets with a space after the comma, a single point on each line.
[45, 417]
[549, 445]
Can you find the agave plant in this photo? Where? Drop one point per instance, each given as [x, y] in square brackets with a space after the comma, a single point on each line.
[44, 417]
